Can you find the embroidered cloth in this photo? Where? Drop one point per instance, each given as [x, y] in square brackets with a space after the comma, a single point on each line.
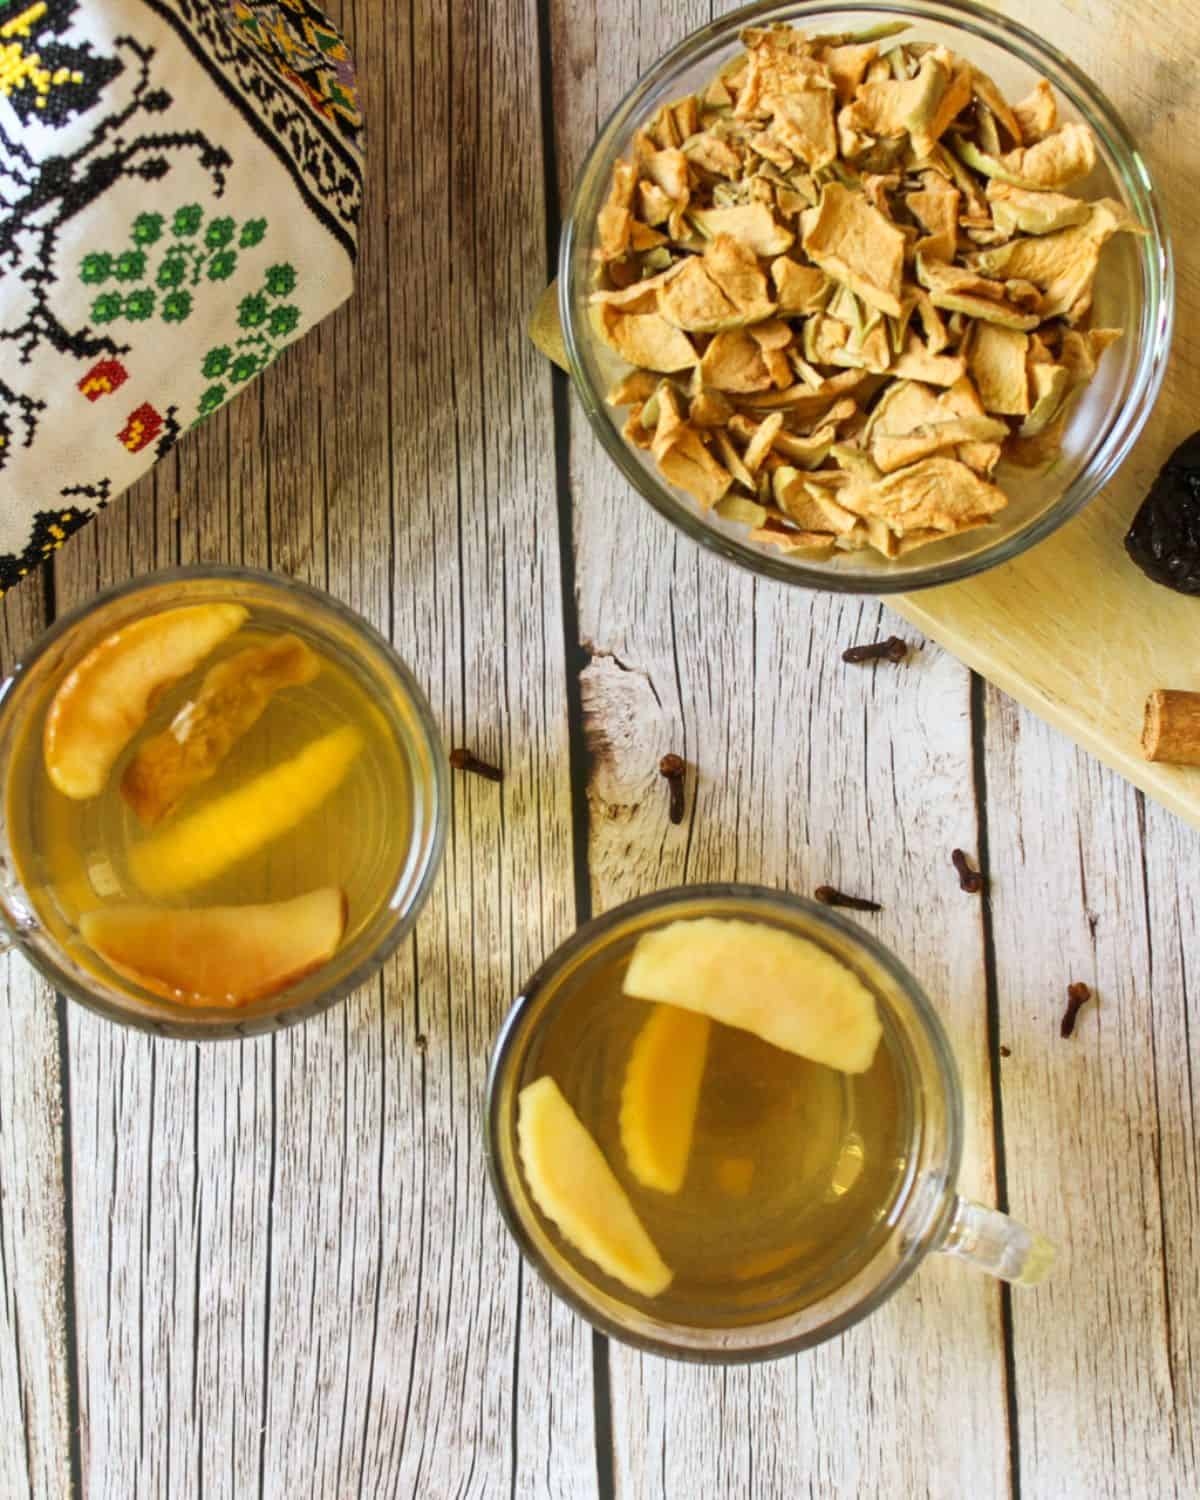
[180, 184]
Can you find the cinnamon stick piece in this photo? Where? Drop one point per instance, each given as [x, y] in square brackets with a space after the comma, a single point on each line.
[1171, 729]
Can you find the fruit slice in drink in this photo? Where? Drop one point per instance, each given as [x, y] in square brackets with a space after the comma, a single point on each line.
[231, 700]
[783, 988]
[574, 1186]
[661, 1094]
[103, 702]
[219, 955]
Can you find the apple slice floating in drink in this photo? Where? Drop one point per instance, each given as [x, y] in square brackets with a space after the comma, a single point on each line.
[103, 702]
[574, 1185]
[219, 955]
[661, 1094]
[231, 700]
[199, 847]
[783, 988]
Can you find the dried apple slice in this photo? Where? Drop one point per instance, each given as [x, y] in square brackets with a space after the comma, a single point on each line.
[102, 703]
[783, 988]
[219, 955]
[231, 700]
[574, 1185]
[661, 1094]
[209, 841]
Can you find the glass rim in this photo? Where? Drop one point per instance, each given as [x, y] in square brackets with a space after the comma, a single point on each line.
[173, 1023]
[1155, 321]
[921, 1237]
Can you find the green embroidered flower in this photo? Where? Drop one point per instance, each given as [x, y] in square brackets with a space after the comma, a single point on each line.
[252, 310]
[244, 366]
[212, 398]
[187, 220]
[252, 232]
[281, 280]
[131, 265]
[106, 307]
[176, 306]
[147, 228]
[95, 268]
[172, 272]
[219, 233]
[139, 305]
[221, 266]
[283, 321]
[216, 362]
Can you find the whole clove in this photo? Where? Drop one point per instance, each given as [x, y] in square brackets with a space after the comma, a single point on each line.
[467, 760]
[893, 649]
[1005, 1051]
[672, 768]
[1078, 995]
[827, 895]
[969, 880]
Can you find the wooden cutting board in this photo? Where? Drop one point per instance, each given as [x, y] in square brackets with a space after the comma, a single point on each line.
[1071, 629]
[1077, 634]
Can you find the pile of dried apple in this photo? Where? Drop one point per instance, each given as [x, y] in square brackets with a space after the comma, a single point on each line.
[850, 282]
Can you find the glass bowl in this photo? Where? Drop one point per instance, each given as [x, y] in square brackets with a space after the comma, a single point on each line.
[36, 929]
[1134, 291]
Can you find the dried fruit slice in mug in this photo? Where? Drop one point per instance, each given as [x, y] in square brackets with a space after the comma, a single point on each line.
[231, 700]
[102, 703]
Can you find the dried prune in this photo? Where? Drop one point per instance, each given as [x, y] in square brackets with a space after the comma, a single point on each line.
[1164, 539]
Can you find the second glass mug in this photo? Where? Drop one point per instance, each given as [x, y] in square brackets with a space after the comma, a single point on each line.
[926, 1213]
[401, 710]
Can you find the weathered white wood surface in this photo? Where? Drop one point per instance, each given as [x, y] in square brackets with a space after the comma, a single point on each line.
[35, 1335]
[273, 1269]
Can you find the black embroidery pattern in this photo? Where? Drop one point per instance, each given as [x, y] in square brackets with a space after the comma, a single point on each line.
[325, 170]
[25, 409]
[52, 194]
[286, 71]
[170, 433]
[70, 74]
[51, 528]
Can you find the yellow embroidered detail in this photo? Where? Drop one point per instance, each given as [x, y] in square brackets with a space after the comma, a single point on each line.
[20, 69]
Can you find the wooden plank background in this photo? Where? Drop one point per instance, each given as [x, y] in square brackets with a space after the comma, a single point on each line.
[273, 1268]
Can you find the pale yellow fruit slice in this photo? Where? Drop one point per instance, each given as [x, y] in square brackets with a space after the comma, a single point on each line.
[209, 841]
[661, 1094]
[783, 988]
[231, 700]
[575, 1187]
[102, 703]
[219, 955]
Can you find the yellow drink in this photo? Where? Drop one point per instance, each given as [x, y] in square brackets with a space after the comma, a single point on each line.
[791, 1171]
[315, 792]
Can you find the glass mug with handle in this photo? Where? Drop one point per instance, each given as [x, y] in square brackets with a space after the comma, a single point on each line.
[224, 802]
[750, 1202]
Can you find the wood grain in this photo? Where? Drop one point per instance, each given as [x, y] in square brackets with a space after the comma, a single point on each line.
[276, 1238]
[35, 1316]
[804, 770]
[274, 1268]
[1099, 1128]
[170, 1144]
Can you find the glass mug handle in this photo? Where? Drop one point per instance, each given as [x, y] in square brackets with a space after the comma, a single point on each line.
[992, 1242]
[8, 938]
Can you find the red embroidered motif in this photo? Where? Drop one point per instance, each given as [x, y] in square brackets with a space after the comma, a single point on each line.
[102, 379]
[143, 426]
